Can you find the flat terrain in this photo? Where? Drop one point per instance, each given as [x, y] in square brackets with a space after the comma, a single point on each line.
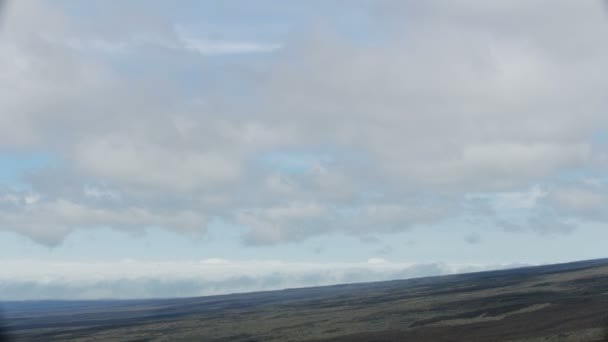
[565, 302]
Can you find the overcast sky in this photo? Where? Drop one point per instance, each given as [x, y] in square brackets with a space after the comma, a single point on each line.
[179, 148]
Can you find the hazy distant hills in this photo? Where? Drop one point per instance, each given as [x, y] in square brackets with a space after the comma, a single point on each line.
[564, 302]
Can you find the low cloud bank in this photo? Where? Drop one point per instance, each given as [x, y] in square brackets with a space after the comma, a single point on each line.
[36, 279]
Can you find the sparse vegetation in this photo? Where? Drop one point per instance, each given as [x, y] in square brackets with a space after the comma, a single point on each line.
[605, 332]
[549, 303]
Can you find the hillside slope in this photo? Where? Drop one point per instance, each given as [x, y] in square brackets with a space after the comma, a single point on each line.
[564, 302]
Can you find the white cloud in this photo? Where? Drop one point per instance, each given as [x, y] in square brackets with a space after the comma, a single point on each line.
[100, 193]
[49, 221]
[214, 261]
[291, 222]
[524, 199]
[210, 47]
[214, 47]
[397, 213]
[41, 279]
[453, 100]
[578, 199]
[582, 201]
[376, 261]
[156, 166]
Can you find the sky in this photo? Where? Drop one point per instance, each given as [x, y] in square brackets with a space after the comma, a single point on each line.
[185, 148]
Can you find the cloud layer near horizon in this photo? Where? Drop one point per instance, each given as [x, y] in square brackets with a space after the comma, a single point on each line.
[128, 279]
[424, 112]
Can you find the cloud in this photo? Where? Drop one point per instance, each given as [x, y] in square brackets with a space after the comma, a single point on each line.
[206, 47]
[375, 261]
[550, 224]
[297, 221]
[472, 238]
[579, 200]
[40, 279]
[155, 166]
[100, 193]
[526, 199]
[292, 222]
[438, 103]
[49, 221]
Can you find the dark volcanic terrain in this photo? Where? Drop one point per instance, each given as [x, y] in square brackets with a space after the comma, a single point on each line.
[566, 302]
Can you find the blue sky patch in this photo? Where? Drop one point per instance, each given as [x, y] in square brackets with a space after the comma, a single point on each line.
[14, 165]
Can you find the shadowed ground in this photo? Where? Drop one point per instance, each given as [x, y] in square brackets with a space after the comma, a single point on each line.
[4, 336]
[566, 302]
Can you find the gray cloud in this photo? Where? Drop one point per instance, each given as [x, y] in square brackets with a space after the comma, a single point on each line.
[457, 100]
[587, 201]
